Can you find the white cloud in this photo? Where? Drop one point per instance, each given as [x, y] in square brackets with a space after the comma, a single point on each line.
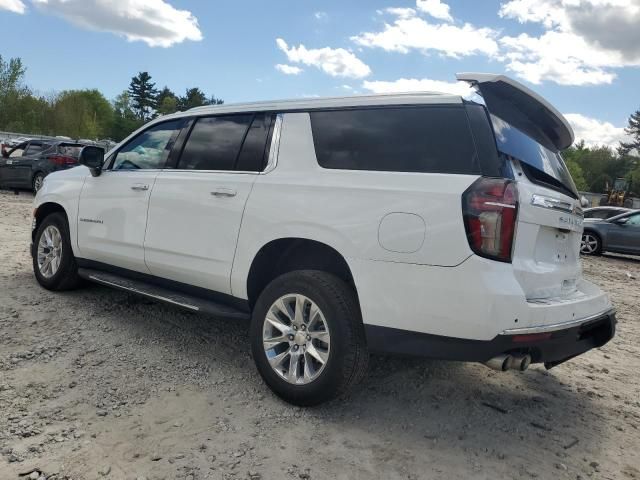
[15, 6]
[583, 43]
[336, 62]
[596, 132]
[411, 32]
[321, 16]
[418, 85]
[155, 22]
[288, 69]
[435, 8]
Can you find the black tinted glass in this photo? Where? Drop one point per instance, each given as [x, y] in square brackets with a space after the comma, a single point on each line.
[411, 139]
[214, 143]
[253, 156]
[33, 149]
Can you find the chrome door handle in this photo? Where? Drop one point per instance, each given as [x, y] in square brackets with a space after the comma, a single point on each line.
[139, 186]
[224, 192]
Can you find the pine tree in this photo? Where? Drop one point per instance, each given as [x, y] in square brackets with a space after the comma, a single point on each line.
[143, 95]
[633, 130]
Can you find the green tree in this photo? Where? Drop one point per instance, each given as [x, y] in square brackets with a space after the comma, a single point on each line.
[633, 130]
[125, 119]
[576, 173]
[167, 102]
[143, 95]
[83, 114]
[193, 97]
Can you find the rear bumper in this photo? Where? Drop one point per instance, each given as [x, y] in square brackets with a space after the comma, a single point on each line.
[548, 344]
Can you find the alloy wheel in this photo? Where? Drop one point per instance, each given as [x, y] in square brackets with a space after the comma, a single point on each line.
[49, 251]
[589, 244]
[296, 339]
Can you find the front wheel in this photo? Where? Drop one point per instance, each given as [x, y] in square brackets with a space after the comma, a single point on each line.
[54, 265]
[307, 337]
[590, 244]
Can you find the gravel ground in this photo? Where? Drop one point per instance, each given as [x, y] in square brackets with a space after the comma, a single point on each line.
[96, 383]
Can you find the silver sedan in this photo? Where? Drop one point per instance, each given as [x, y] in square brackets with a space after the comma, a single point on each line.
[619, 234]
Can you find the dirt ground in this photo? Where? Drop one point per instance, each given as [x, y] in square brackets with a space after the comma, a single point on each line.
[98, 384]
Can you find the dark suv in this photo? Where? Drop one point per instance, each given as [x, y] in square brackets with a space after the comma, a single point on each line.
[26, 164]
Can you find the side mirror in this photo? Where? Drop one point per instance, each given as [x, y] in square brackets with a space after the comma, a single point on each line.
[93, 158]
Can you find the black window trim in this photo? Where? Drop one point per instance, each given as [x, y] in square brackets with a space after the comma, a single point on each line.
[173, 161]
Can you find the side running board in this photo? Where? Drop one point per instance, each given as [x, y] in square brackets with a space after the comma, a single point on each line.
[183, 300]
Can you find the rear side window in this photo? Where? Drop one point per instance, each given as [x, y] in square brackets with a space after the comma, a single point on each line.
[402, 139]
[214, 143]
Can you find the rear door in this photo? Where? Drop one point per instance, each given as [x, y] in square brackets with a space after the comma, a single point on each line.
[196, 208]
[24, 164]
[529, 134]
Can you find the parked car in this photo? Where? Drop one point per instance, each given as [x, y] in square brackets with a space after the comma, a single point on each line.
[604, 212]
[619, 234]
[28, 163]
[385, 223]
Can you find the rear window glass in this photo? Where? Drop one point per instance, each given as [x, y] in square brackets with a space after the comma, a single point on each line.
[70, 150]
[517, 144]
[401, 139]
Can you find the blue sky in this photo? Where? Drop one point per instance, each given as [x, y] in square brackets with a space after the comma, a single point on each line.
[561, 48]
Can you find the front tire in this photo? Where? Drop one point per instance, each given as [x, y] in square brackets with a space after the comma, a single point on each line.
[591, 244]
[307, 337]
[54, 265]
[36, 183]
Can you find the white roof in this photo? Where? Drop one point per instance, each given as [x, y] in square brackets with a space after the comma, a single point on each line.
[411, 98]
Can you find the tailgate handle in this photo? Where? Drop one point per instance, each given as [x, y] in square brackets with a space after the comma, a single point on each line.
[553, 203]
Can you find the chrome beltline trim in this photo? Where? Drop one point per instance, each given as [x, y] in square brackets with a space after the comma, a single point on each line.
[556, 326]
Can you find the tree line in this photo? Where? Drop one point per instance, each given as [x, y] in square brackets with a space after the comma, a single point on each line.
[87, 113]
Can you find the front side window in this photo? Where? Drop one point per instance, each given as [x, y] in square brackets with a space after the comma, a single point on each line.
[634, 219]
[150, 149]
[431, 138]
[214, 143]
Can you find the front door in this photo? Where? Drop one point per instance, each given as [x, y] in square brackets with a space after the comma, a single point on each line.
[113, 207]
[196, 209]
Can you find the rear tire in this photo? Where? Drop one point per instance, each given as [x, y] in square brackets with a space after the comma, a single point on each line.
[54, 265]
[591, 244]
[332, 331]
[36, 183]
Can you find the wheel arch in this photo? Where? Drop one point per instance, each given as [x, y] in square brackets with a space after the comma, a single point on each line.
[284, 255]
[42, 211]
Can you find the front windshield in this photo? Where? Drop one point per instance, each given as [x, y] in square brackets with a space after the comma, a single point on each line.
[517, 144]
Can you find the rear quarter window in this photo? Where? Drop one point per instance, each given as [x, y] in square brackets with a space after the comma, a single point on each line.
[429, 139]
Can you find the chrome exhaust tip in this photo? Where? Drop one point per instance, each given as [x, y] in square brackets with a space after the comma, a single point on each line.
[501, 363]
[520, 362]
[505, 362]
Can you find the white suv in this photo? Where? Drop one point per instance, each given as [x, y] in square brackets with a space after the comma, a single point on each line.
[420, 224]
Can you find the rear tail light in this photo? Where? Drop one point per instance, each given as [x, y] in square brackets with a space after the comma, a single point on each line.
[490, 209]
[62, 160]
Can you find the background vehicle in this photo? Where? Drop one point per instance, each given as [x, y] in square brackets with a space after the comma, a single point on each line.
[619, 194]
[604, 212]
[619, 234]
[26, 164]
[342, 226]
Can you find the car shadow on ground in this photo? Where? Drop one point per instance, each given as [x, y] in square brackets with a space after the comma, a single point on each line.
[621, 258]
